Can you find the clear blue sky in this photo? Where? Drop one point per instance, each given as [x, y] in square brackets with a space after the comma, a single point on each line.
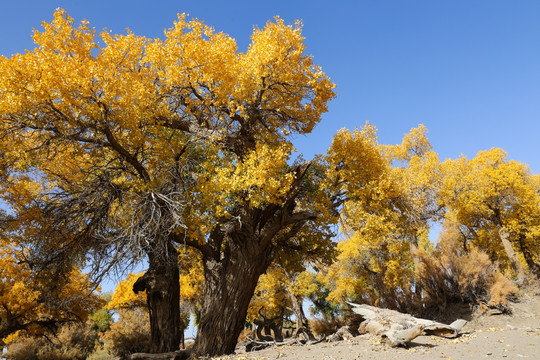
[468, 70]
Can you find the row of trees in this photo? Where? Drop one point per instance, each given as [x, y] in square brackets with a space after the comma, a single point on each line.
[488, 209]
[119, 148]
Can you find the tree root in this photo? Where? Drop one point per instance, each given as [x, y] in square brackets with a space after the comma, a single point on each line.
[175, 355]
[260, 345]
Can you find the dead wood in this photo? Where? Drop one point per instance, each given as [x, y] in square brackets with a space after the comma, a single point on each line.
[175, 355]
[260, 345]
[316, 341]
[343, 333]
[396, 328]
[256, 345]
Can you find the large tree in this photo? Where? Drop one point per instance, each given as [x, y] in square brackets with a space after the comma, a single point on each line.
[140, 145]
[389, 193]
[495, 204]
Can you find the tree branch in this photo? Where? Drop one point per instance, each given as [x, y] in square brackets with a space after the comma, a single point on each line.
[124, 153]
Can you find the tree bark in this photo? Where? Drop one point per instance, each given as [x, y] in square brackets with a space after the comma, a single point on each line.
[162, 285]
[278, 328]
[509, 250]
[274, 324]
[534, 267]
[238, 251]
[302, 326]
[229, 285]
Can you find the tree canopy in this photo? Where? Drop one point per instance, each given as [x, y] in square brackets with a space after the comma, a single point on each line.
[131, 146]
[179, 150]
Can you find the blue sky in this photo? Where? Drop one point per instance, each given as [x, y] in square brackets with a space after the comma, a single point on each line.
[468, 70]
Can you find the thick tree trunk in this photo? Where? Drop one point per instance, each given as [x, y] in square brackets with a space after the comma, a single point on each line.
[509, 250]
[229, 285]
[534, 267]
[162, 285]
[237, 253]
[302, 325]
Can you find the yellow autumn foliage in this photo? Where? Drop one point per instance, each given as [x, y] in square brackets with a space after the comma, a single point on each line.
[127, 146]
[34, 303]
[271, 297]
[105, 93]
[496, 201]
[124, 297]
[390, 193]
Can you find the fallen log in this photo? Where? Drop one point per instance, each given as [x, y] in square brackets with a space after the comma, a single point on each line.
[256, 345]
[343, 333]
[175, 355]
[396, 328]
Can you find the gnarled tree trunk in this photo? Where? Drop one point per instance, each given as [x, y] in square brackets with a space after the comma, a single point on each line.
[162, 285]
[534, 267]
[510, 252]
[238, 251]
[268, 325]
[302, 325]
[229, 285]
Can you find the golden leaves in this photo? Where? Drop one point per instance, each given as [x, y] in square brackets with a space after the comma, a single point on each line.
[262, 176]
[79, 102]
[390, 193]
[124, 297]
[488, 195]
[26, 297]
[271, 297]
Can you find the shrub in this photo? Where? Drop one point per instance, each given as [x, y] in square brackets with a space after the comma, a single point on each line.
[73, 342]
[326, 327]
[130, 334]
[452, 274]
[24, 349]
[100, 354]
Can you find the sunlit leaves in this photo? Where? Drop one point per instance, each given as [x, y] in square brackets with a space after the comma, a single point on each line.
[492, 200]
[389, 194]
[36, 302]
[82, 105]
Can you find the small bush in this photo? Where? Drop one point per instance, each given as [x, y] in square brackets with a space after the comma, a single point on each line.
[452, 274]
[24, 349]
[100, 354]
[246, 335]
[73, 342]
[130, 334]
[321, 327]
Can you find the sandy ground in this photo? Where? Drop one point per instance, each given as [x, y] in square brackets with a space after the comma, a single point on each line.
[489, 336]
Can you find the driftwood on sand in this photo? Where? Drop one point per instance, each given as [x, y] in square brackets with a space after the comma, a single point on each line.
[175, 355]
[256, 345]
[396, 328]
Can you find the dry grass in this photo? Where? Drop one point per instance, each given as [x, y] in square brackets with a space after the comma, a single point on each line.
[453, 275]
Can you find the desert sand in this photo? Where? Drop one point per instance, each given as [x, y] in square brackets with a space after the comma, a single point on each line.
[490, 335]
